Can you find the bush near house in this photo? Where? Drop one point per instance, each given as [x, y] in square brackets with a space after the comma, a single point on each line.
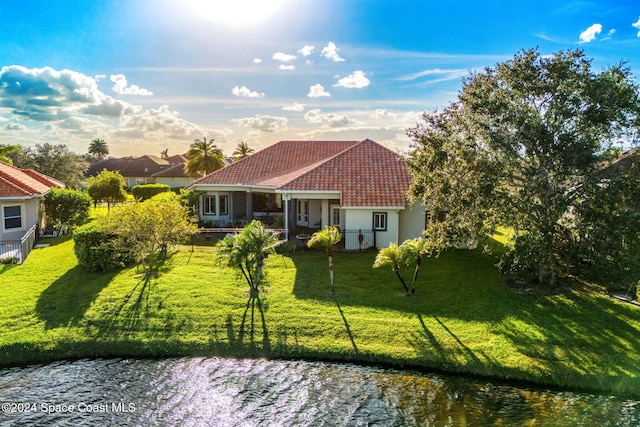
[146, 191]
[94, 248]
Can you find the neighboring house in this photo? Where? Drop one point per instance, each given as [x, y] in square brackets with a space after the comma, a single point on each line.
[138, 170]
[174, 177]
[359, 186]
[21, 195]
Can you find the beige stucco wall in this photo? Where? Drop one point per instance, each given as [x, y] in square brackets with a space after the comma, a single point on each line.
[412, 222]
[30, 213]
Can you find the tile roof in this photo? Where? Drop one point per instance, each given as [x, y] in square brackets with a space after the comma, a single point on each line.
[364, 172]
[144, 166]
[15, 182]
[175, 171]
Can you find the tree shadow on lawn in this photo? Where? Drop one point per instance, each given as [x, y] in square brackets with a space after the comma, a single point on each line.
[248, 330]
[67, 299]
[592, 334]
[462, 284]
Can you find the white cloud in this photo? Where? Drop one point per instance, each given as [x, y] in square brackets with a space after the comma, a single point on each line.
[280, 56]
[99, 77]
[14, 126]
[330, 51]
[329, 120]
[245, 92]
[590, 33]
[637, 25]
[287, 67]
[121, 86]
[257, 60]
[45, 94]
[316, 91]
[294, 107]
[356, 80]
[609, 34]
[264, 123]
[159, 123]
[306, 50]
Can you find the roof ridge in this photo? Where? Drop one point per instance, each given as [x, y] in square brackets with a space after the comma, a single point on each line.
[323, 161]
[10, 182]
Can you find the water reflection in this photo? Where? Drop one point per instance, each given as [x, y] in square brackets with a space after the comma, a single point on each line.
[230, 392]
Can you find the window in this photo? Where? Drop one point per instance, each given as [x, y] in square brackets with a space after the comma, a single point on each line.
[303, 212]
[12, 217]
[224, 210]
[380, 221]
[335, 215]
[209, 205]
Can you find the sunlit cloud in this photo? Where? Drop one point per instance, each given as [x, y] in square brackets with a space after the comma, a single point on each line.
[590, 33]
[356, 80]
[329, 120]
[283, 57]
[264, 123]
[330, 51]
[295, 107]
[257, 60]
[637, 25]
[11, 126]
[245, 92]
[306, 50]
[286, 67]
[122, 87]
[316, 91]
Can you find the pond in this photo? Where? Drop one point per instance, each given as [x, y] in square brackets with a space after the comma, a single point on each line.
[232, 392]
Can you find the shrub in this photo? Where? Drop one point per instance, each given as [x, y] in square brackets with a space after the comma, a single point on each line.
[147, 191]
[66, 207]
[95, 250]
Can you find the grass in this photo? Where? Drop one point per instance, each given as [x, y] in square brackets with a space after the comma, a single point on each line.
[462, 318]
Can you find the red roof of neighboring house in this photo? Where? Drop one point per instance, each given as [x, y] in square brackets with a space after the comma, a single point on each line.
[364, 172]
[143, 166]
[15, 182]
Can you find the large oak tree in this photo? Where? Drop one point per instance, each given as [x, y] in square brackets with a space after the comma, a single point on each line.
[525, 146]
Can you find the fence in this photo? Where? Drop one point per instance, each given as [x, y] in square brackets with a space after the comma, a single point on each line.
[358, 240]
[16, 251]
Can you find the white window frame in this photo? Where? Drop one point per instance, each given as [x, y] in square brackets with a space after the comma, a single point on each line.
[209, 201]
[22, 218]
[380, 221]
[302, 212]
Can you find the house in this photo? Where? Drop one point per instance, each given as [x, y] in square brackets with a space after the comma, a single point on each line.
[138, 170]
[359, 186]
[21, 194]
[174, 176]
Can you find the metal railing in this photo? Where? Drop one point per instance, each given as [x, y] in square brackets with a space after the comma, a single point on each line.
[16, 251]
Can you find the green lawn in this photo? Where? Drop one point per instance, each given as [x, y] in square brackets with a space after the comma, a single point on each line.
[462, 318]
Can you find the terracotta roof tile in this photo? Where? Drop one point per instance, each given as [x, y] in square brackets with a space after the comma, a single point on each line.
[15, 182]
[366, 173]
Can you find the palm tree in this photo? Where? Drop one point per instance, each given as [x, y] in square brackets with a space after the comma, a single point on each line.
[99, 148]
[242, 150]
[203, 158]
[164, 154]
[247, 251]
[327, 239]
[394, 256]
[6, 151]
[415, 249]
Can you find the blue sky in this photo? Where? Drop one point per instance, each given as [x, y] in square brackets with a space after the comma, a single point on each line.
[149, 75]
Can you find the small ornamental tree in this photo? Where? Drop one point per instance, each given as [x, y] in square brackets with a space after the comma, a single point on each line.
[393, 256]
[326, 239]
[107, 187]
[247, 251]
[146, 230]
[66, 208]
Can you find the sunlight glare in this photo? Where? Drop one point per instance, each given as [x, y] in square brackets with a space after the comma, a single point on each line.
[236, 13]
